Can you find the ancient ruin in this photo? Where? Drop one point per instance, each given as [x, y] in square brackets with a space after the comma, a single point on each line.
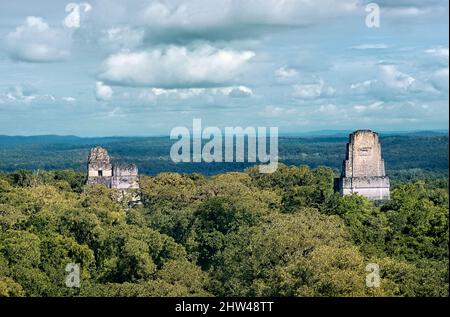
[99, 167]
[123, 177]
[363, 168]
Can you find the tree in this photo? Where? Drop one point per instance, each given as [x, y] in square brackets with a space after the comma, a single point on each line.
[418, 223]
[9, 288]
[303, 254]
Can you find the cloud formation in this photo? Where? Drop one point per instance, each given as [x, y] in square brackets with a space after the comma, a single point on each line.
[178, 21]
[299, 63]
[25, 94]
[440, 79]
[176, 67]
[121, 37]
[103, 92]
[36, 41]
[19, 93]
[438, 52]
[196, 94]
[286, 73]
[314, 90]
[395, 79]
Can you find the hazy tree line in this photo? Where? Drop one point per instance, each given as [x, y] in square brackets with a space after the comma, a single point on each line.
[407, 157]
[241, 234]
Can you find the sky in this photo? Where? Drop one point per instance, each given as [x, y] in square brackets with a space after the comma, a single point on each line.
[144, 67]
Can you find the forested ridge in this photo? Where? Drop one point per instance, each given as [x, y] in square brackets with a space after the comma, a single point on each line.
[231, 234]
[407, 157]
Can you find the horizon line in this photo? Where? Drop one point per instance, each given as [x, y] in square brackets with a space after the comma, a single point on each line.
[292, 133]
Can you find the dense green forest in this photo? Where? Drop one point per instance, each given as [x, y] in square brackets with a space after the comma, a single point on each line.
[231, 234]
[408, 157]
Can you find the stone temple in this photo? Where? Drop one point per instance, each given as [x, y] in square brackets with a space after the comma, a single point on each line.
[123, 177]
[363, 168]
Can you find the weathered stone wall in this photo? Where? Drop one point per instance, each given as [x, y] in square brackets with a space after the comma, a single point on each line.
[371, 193]
[372, 187]
[100, 180]
[363, 169]
[363, 155]
[99, 167]
[125, 176]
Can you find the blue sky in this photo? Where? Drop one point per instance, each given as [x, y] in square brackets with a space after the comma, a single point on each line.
[143, 67]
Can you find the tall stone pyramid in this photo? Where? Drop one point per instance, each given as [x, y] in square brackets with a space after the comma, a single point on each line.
[363, 168]
[121, 176]
[99, 167]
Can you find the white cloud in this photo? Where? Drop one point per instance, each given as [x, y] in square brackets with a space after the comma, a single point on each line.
[75, 10]
[178, 94]
[19, 93]
[25, 94]
[370, 46]
[373, 106]
[438, 52]
[102, 91]
[211, 94]
[69, 99]
[218, 18]
[175, 67]
[285, 72]
[36, 41]
[201, 13]
[315, 90]
[393, 78]
[363, 86]
[440, 79]
[389, 83]
[407, 12]
[329, 109]
[122, 37]
[240, 92]
[277, 112]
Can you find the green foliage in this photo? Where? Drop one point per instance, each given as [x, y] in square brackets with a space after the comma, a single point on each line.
[232, 234]
[368, 226]
[298, 186]
[418, 220]
[9, 288]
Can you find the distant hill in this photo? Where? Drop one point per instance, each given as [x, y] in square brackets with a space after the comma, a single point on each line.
[416, 152]
[419, 133]
[345, 133]
[51, 138]
[48, 139]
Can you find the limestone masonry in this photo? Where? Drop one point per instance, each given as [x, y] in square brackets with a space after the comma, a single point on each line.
[363, 169]
[120, 176]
